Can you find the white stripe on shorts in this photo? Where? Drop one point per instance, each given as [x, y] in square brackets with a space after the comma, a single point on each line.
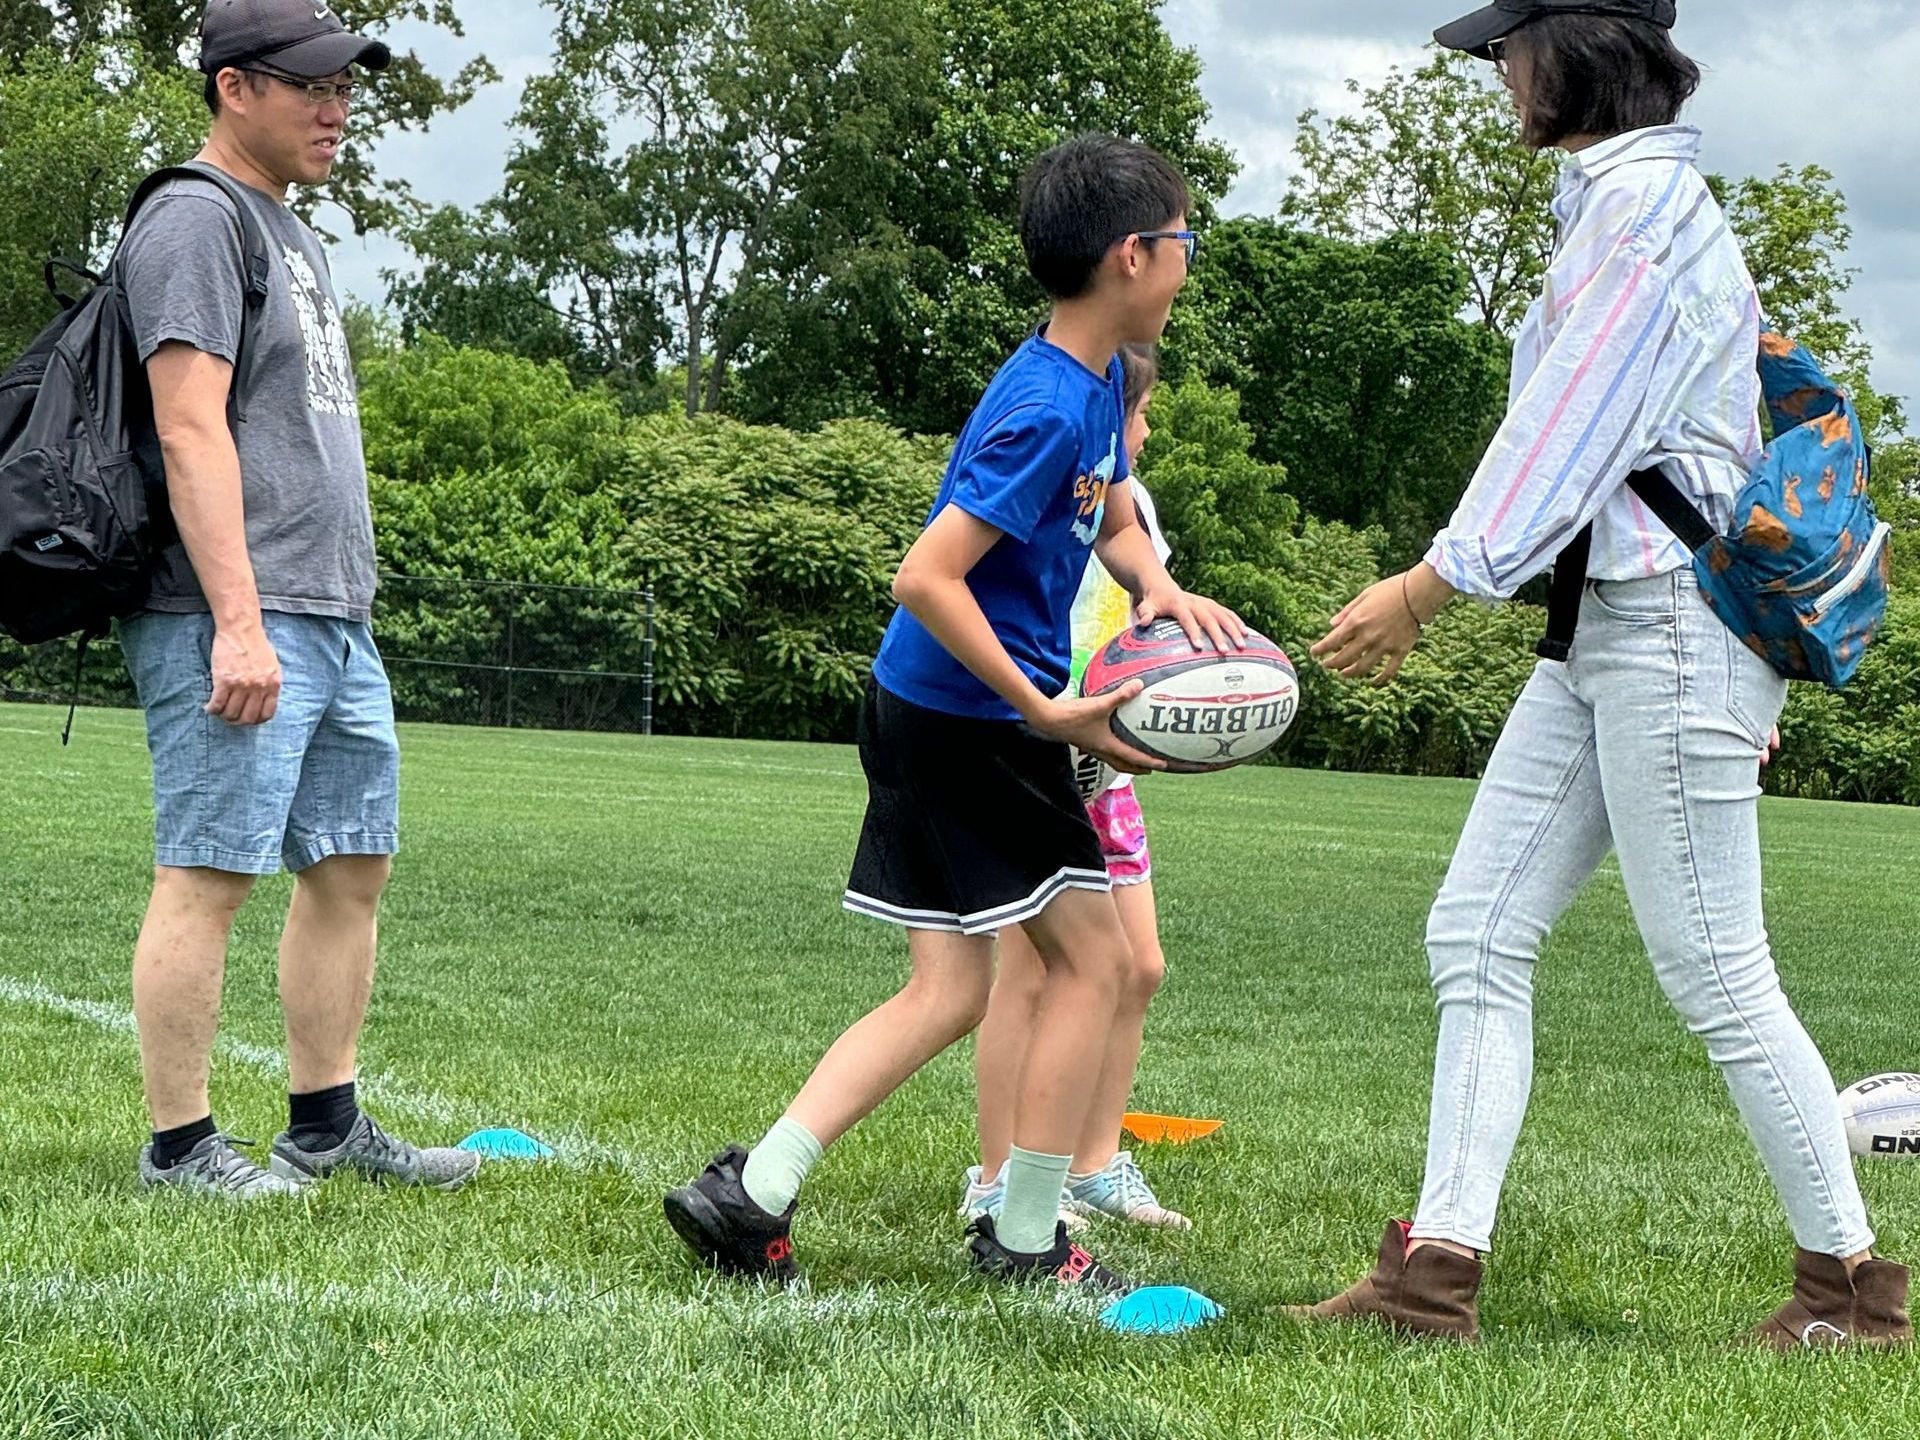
[982, 922]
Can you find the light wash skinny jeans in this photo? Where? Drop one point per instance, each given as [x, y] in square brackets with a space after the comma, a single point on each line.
[1646, 741]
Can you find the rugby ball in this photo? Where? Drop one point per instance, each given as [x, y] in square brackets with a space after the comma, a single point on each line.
[1199, 710]
[1882, 1115]
[1091, 774]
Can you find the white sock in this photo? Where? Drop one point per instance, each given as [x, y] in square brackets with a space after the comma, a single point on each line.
[1030, 1214]
[777, 1167]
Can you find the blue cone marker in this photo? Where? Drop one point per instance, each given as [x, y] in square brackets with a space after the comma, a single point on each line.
[506, 1145]
[1161, 1310]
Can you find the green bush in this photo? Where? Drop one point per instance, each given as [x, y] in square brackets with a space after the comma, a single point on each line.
[1863, 743]
[771, 556]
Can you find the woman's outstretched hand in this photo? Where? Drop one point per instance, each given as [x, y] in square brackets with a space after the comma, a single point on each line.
[1378, 631]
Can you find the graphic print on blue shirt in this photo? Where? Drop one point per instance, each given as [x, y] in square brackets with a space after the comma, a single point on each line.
[1037, 461]
[1091, 492]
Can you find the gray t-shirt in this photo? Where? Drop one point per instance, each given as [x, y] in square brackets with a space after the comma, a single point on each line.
[303, 473]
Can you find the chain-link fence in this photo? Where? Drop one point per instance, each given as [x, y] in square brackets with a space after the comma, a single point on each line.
[460, 652]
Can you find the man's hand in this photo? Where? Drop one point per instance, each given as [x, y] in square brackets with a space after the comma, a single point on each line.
[246, 675]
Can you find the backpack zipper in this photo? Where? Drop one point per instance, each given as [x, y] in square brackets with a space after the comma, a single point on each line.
[1857, 576]
[1840, 567]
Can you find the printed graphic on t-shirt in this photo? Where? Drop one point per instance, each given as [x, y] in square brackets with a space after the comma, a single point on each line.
[1091, 491]
[330, 387]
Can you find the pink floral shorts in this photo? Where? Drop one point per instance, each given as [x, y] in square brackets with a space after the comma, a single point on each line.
[1122, 830]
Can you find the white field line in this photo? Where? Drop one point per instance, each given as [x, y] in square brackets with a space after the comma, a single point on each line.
[416, 1297]
[382, 1089]
[419, 1297]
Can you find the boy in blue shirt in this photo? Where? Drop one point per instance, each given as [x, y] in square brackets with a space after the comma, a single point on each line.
[974, 821]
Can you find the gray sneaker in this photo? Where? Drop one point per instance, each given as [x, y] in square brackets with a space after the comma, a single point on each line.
[216, 1167]
[376, 1155]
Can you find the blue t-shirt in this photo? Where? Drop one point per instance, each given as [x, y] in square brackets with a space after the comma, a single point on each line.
[1035, 461]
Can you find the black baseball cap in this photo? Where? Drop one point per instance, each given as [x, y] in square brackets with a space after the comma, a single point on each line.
[1476, 33]
[301, 37]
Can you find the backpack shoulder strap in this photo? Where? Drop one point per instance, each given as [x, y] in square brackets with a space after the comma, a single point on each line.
[253, 242]
[1676, 511]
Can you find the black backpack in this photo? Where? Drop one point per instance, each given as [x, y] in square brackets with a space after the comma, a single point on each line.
[83, 509]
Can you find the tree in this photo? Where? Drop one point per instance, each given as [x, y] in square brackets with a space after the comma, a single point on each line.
[1793, 228]
[480, 288]
[739, 105]
[71, 151]
[1436, 152]
[907, 307]
[821, 203]
[407, 97]
[1356, 371]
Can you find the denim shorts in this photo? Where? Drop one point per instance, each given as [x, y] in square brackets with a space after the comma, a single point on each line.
[321, 778]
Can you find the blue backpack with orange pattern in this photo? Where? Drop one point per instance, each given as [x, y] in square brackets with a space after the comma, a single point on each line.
[1802, 574]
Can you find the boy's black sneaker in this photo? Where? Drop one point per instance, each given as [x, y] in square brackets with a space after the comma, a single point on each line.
[1065, 1264]
[721, 1224]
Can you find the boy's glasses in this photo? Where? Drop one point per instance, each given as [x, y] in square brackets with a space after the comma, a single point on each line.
[318, 92]
[1186, 237]
[1498, 50]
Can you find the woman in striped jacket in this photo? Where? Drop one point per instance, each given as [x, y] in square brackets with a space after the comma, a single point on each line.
[1646, 738]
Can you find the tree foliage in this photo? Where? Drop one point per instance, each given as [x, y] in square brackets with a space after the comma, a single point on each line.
[809, 206]
[1435, 152]
[164, 34]
[72, 148]
[1794, 231]
[1357, 372]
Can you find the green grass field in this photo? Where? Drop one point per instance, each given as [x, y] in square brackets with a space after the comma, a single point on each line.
[635, 950]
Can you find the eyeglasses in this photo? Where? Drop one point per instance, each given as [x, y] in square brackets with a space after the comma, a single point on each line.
[1187, 238]
[1498, 50]
[318, 92]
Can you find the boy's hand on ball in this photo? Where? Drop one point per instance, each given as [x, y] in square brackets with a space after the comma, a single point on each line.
[1208, 623]
[1087, 725]
[1376, 628]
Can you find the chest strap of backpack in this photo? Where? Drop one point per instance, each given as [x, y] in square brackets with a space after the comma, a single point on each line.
[1665, 500]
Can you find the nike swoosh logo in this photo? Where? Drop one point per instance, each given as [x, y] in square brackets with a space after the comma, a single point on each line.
[321, 13]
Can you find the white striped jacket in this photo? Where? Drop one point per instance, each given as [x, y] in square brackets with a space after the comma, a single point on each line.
[1640, 352]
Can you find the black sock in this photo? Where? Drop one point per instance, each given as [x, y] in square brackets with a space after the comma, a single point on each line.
[170, 1147]
[323, 1115]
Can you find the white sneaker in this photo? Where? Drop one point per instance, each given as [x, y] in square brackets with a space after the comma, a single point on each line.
[1122, 1192]
[987, 1199]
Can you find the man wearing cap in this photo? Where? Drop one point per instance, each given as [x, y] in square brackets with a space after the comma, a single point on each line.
[268, 712]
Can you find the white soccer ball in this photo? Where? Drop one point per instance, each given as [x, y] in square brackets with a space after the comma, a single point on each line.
[1882, 1115]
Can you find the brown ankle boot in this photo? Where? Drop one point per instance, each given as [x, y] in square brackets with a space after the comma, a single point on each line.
[1829, 1307]
[1428, 1292]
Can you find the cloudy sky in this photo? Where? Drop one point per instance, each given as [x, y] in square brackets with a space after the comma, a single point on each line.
[1829, 82]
